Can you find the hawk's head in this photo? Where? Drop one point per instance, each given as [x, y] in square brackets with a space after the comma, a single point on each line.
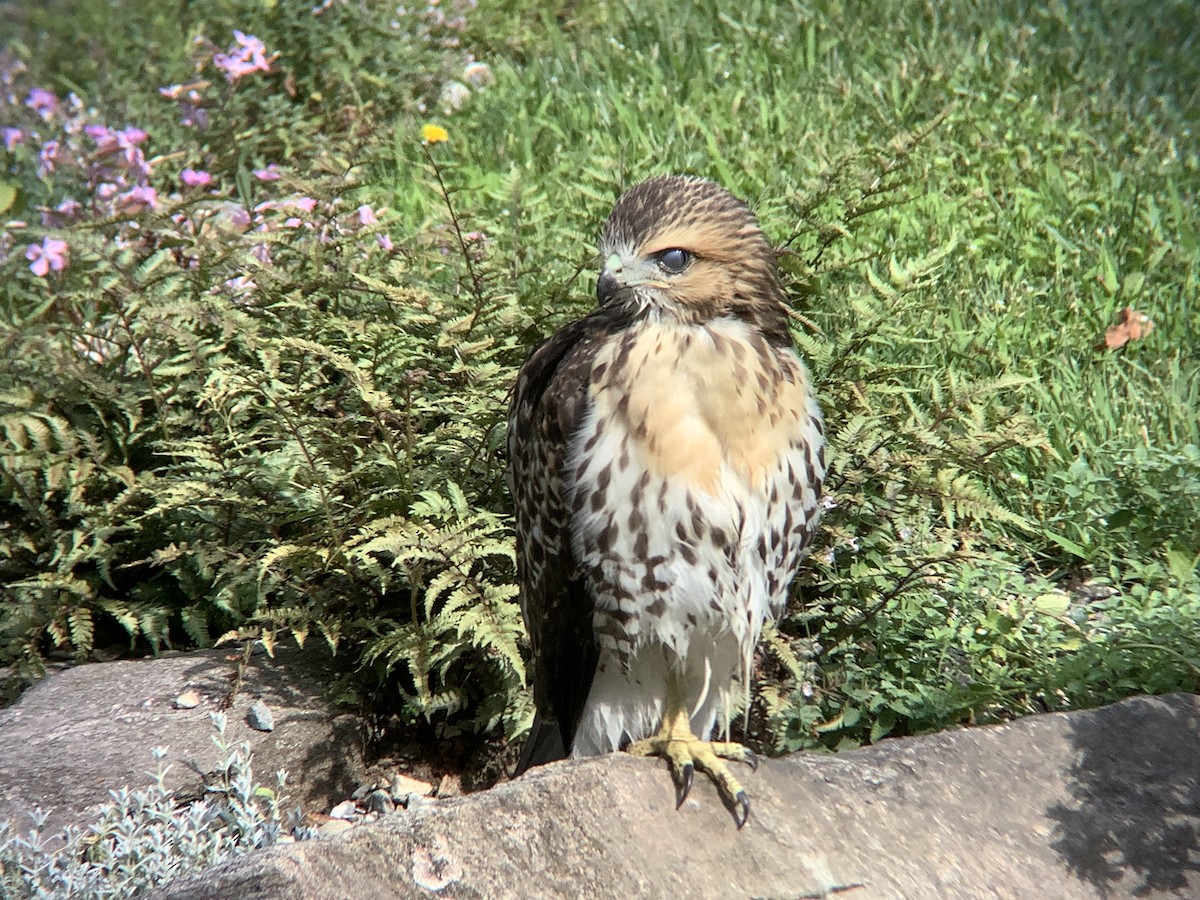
[686, 249]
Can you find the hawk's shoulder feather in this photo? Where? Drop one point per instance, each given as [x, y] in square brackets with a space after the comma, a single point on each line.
[548, 405]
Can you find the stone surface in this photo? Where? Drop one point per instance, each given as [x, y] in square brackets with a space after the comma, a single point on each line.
[87, 730]
[1094, 804]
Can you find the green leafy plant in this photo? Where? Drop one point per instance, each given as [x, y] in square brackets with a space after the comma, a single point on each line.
[255, 386]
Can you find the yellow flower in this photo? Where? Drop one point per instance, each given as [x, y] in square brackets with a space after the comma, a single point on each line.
[434, 134]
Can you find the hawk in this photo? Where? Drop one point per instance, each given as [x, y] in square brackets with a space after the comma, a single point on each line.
[666, 455]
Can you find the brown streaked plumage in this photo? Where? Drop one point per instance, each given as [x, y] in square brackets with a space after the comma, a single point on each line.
[666, 457]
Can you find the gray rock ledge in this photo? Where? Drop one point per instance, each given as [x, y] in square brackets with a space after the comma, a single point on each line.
[1097, 804]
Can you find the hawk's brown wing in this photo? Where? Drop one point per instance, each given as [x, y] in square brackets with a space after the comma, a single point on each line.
[548, 405]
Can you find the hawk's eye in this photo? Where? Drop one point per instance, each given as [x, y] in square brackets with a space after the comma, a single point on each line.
[674, 260]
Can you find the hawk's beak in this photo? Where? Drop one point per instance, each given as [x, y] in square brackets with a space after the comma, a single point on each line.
[623, 272]
[610, 280]
[607, 285]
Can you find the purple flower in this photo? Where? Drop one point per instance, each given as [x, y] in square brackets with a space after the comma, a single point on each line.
[270, 173]
[11, 137]
[69, 208]
[42, 101]
[137, 199]
[195, 177]
[50, 254]
[194, 115]
[366, 215]
[47, 157]
[239, 217]
[385, 243]
[246, 56]
[262, 252]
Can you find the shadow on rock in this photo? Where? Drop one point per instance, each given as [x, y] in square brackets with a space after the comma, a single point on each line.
[1135, 789]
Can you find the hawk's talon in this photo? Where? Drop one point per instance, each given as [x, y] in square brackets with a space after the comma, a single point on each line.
[685, 784]
[741, 809]
[685, 753]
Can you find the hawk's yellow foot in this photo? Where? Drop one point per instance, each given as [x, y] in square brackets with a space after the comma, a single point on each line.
[685, 753]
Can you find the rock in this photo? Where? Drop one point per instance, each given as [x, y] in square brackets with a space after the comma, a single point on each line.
[89, 729]
[1104, 803]
[333, 826]
[259, 717]
[189, 699]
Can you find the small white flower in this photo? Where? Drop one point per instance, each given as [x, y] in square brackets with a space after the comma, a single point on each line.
[478, 75]
[454, 95]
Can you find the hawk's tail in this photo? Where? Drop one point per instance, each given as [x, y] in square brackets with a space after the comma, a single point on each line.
[544, 744]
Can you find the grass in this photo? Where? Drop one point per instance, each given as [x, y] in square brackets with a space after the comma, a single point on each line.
[966, 194]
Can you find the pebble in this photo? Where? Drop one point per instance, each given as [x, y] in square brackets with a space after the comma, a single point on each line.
[259, 717]
[347, 809]
[404, 789]
[449, 786]
[189, 699]
[380, 802]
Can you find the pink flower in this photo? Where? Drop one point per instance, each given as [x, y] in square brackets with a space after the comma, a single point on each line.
[12, 137]
[137, 199]
[385, 243]
[131, 137]
[64, 211]
[239, 217]
[42, 101]
[366, 215]
[270, 173]
[241, 290]
[123, 143]
[50, 254]
[262, 252]
[195, 177]
[293, 222]
[246, 56]
[305, 204]
[172, 92]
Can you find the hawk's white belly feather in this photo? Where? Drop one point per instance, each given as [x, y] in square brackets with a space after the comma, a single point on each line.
[686, 563]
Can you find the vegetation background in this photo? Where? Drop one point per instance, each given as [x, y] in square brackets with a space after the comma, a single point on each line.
[258, 324]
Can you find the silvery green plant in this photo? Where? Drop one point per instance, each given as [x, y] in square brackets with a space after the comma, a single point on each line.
[141, 839]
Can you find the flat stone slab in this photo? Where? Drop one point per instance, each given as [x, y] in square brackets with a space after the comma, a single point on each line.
[1096, 804]
[87, 730]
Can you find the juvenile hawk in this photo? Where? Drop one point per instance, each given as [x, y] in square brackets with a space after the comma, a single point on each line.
[666, 456]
